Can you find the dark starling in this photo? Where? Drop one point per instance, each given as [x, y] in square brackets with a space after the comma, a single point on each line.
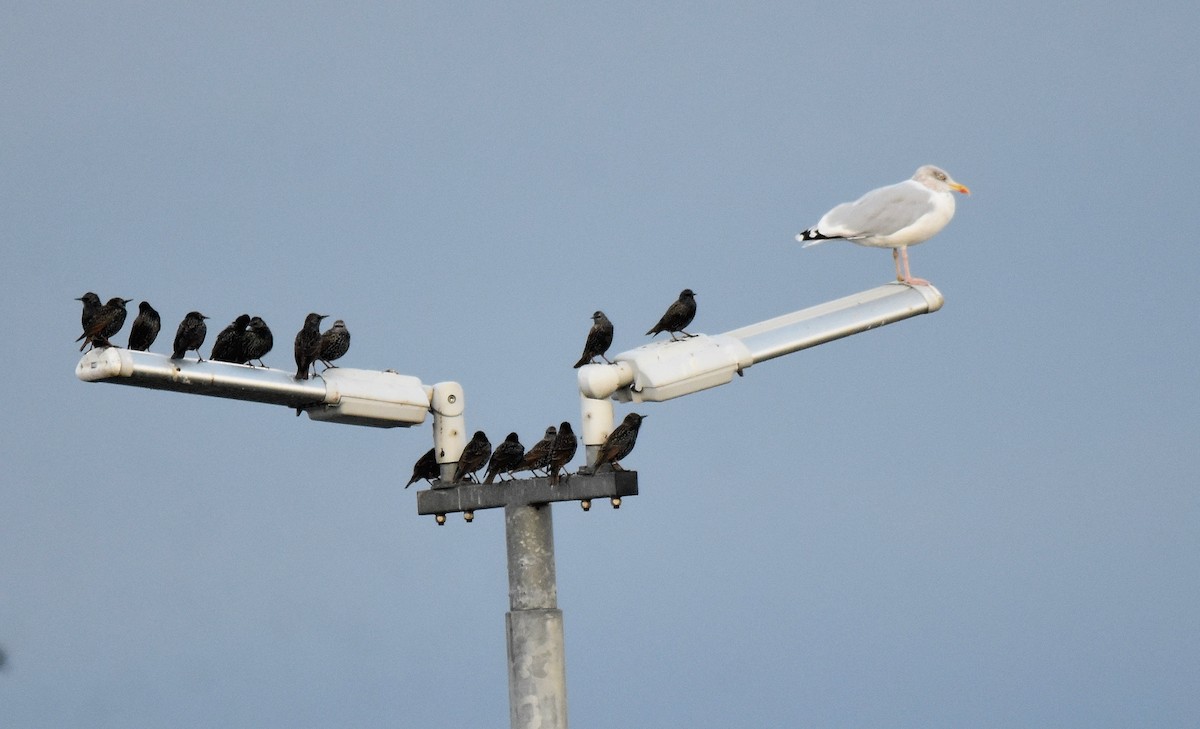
[620, 442]
[145, 327]
[190, 335]
[231, 340]
[426, 468]
[598, 340]
[562, 450]
[678, 316]
[91, 305]
[107, 321]
[257, 341]
[334, 343]
[308, 345]
[507, 456]
[538, 457]
[473, 456]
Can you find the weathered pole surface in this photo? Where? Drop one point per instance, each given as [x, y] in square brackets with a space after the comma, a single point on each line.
[537, 675]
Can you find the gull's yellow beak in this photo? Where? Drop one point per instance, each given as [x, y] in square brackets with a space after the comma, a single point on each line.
[961, 188]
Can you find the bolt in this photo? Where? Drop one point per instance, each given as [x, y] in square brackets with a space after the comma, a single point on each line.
[616, 502]
[441, 519]
[586, 504]
[469, 516]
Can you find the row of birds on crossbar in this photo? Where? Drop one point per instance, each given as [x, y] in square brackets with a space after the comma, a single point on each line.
[549, 456]
[894, 216]
[246, 339]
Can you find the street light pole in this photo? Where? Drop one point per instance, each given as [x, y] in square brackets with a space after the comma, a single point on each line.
[537, 682]
[537, 673]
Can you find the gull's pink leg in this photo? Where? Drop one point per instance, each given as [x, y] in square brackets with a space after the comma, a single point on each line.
[896, 260]
[908, 277]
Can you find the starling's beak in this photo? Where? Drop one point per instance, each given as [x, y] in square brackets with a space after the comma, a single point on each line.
[961, 188]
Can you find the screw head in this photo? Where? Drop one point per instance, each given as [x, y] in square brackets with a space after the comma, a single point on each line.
[441, 519]
[616, 502]
[586, 504]
[469, 516]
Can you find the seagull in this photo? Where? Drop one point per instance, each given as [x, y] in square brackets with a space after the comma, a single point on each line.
[896, 216]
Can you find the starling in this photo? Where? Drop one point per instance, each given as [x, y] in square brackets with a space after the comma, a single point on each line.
[145, 327]
[190, 335]
[334, 343]
[91, 306]
[473, 456]
[507, 456]
[231, 341]
[562, 450]
[107, 321]
[620, 442]
[537, 457]
[308, 345]
[678, 316]
[598, 340]
[426, 468]
[256, 341]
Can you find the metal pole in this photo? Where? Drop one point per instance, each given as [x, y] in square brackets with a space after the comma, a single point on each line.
[537, 675]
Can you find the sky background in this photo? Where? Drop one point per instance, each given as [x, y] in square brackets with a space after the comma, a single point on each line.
[984, 517]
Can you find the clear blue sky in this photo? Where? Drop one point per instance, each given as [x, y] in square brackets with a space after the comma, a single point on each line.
[984, 517]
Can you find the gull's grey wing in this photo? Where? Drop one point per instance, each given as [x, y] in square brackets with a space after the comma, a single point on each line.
[881, 212]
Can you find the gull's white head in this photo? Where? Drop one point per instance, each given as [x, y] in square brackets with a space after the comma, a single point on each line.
[936, 179]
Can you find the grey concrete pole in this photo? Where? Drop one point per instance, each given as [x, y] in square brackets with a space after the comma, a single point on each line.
[537, 675]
